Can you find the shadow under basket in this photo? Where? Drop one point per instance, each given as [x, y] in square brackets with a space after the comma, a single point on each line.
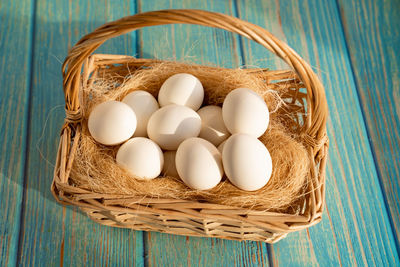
[304, 99]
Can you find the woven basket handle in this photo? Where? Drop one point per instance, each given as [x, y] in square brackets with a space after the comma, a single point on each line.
[317, 105]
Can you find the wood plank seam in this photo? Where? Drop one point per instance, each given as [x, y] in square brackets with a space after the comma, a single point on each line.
[239, 37]
[367, 131]
[32, 37]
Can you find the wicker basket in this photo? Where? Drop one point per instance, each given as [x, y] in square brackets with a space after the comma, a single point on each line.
[184, 217]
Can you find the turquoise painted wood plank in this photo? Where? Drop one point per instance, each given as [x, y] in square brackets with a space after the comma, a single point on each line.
[15, 55]
[372, 30]
[201, 45]
[355, 229]
[197, 44]
[51, 234]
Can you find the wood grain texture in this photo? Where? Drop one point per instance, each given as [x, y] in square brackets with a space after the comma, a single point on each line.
[355, 230]
[52, 234]
[372, 30]
[15, 45]
[356, 227]
[200, 45]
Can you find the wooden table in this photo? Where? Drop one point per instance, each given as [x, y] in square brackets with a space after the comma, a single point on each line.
[354, 47]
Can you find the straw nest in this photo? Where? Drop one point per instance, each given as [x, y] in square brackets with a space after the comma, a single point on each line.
[95, 168]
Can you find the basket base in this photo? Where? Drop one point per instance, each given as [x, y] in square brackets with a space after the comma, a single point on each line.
[184, 227]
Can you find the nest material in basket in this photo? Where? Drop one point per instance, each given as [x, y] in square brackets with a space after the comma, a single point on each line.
[95, 169]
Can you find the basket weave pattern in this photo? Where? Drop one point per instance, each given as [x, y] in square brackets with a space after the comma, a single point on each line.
[182, 216]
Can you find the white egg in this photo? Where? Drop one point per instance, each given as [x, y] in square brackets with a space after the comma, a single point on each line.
[244, 111]
[141, 157]
[247, 162]
[182, 89]
[172, 124]
[112, 122]
[212, 125]
[199, 164]
[143, 104]
[221, 146]
[169, 164]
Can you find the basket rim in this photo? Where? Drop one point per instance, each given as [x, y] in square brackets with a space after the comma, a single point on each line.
[80, 196]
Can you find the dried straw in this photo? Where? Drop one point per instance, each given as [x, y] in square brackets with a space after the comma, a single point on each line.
[94, 167]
